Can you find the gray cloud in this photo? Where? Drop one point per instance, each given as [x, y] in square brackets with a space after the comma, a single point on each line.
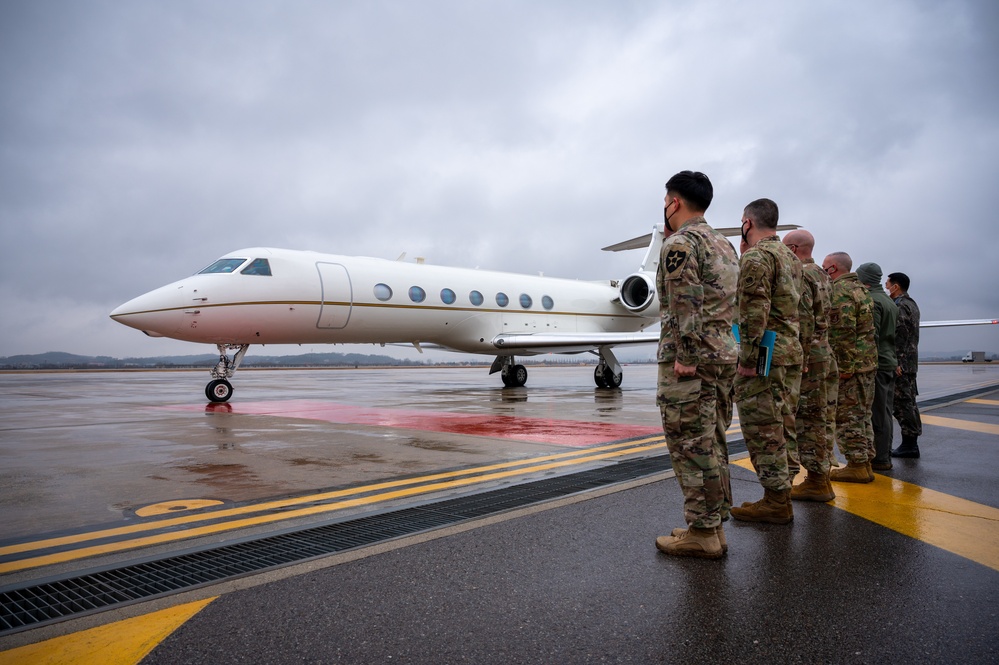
[139, 142]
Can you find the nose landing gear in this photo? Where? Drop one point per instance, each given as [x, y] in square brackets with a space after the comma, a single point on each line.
[219, 389]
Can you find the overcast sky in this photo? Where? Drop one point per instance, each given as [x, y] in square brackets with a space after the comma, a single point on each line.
[139, 141]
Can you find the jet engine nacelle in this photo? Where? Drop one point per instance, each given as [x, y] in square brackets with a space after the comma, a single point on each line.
[638, 294]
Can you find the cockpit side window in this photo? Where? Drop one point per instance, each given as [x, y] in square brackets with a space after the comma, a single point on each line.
[223, 266]
[257, 267]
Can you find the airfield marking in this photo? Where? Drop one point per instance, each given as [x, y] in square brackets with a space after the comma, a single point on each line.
[549, 462]
[125, 641]
[954, 423]
[176, 506]
[552, 431]
[963, 527]
[987, 402]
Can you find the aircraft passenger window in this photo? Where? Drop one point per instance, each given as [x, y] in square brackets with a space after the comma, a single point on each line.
[502, 299]
[383, 292]
[257, 267]
[223, 266]
[448, 296]
[525, 301]
[416, 294]
[547, 302]
[476, 298]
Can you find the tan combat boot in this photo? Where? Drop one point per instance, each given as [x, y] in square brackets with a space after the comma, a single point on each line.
[853, 472]
[679, 531]
[773, 508]
[701, 543]
[815, 488]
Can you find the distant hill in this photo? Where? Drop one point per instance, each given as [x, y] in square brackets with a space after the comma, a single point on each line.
[59, 360]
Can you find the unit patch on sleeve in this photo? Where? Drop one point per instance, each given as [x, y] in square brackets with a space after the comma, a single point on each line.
[675, 258]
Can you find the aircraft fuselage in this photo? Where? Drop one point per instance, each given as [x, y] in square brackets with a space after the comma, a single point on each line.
[310, 297]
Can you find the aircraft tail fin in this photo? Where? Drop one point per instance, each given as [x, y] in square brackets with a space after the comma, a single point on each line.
[653, 241]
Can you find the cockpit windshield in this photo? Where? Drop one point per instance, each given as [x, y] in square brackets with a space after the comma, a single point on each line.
[223, 266]
[257, 267]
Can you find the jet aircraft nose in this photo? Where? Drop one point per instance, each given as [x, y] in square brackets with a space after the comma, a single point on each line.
[156, 313]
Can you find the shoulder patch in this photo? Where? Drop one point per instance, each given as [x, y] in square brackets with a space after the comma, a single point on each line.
[675, 259]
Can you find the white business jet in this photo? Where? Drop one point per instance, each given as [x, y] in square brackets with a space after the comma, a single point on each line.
[264, 295]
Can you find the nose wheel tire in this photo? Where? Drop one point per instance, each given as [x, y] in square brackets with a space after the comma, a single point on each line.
[218, 390]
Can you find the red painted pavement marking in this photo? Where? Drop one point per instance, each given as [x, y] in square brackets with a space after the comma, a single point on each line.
[574, 433]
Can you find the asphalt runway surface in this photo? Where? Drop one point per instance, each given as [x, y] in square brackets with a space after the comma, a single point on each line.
[574, 580]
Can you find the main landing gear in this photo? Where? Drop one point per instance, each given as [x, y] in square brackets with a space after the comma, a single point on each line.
[219, 389]
[608, 372]
[513, 375]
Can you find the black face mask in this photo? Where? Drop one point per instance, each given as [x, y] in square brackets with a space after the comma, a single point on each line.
[743, 230]
[667, 216]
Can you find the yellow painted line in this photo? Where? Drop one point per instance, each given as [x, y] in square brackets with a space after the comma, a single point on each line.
[124, 642]
[963, 527]
[988, 402]
[60, 541]
[157, 539]
[953, 423]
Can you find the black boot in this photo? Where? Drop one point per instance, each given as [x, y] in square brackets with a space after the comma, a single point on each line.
[908, 447]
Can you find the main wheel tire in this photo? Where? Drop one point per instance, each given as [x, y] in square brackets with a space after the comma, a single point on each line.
[218, 390]
[613, 380]
[604, 378]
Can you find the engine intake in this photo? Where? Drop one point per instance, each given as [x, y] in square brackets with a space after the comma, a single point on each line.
[638, 292]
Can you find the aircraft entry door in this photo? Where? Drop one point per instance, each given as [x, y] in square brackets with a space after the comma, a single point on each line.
[336, 295]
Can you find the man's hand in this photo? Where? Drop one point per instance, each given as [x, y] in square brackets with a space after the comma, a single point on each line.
[746, 371]
[684, 370]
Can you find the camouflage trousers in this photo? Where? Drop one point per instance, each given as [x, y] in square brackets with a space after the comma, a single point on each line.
[696, 412]
[815, 419]
[854, 432]
[794, 376]
[904, 409]
[764, 412]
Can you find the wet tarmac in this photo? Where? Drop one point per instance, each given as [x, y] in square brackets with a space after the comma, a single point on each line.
[579, 582]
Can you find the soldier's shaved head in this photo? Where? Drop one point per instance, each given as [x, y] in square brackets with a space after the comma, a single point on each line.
[837, 264]
[841, 259]
[801, 238]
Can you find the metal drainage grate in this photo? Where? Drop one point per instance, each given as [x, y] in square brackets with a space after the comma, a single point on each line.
[49, 602]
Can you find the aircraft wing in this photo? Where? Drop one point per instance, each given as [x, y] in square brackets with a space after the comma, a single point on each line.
[962, 322]
[534, 343]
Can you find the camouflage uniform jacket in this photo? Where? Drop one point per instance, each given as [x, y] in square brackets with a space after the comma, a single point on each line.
[806, 315]
[818, 284]
[885, 316]
[851, 326]
[907, 334]
[696, 280]
[769, 279]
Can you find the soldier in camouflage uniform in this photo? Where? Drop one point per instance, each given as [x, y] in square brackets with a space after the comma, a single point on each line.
[851, 336]
[816, 415]
[906, 349]
[769, 276]
[696, 282]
